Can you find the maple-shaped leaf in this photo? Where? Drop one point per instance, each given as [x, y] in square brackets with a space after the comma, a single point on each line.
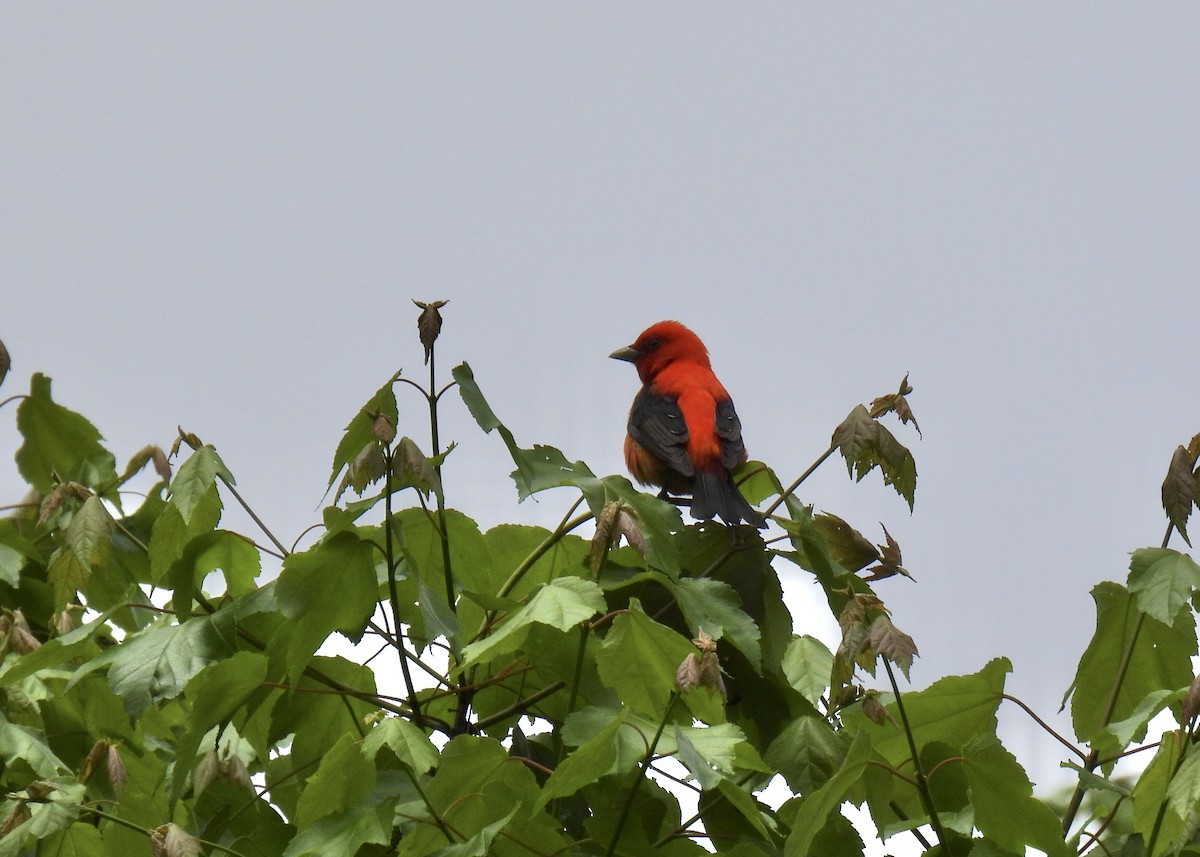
[896, 403]
[87, 544]
[892, 643]
[866, 444]
[429, 324]
[889, 560]
[1179, 490]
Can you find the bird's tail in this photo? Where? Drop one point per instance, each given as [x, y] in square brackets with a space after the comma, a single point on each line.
[713, 493]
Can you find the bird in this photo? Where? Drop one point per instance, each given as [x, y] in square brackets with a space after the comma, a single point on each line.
[683, 434]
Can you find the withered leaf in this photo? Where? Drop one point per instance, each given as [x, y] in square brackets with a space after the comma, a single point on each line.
[183, 437]
[429, 323]
[171, 840]
[92, 760]
[19, 815]
[146, 455]
[602, 538]
[889, 562]
[849, 547]
[1179, 490]
[115, 768]
[875, 709]
[866, 444]
[701, 670]
[412, 468]
[58, 496]
[896, 403]
[892, 643]
[366, 468]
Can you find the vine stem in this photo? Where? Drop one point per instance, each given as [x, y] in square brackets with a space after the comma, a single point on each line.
[935, 821]
[641, 775]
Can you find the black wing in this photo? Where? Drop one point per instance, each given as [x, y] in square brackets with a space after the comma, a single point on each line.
[729, 430]
[656, 425]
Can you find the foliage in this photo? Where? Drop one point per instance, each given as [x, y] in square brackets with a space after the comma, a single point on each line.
[529, 691]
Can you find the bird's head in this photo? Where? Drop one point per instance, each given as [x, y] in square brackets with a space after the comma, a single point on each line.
[659, 346]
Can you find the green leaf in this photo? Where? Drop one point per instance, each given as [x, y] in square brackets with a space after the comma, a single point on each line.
[638, 660]
[217, 692]
[60, 445]
[344, 778]
[561, 604]
[367, 822]
[196, 477]
[713, 606]
[80, 839]
[19, 743]
[233, 554]
[1183, 794]
[478, 784]
[658, 520]
[359, 431]
[410, 744]
[1002, 800]
[1150, 792]
[595, 758]
[171, 534]
[480, 844]
[808, 664]
[158, 663]
[1162, 581]
[87, 543]
[56, 651]
[951, 711]
[807, 753]
[1159, 658]
[329, 587]
[816, 808]
[750, 809]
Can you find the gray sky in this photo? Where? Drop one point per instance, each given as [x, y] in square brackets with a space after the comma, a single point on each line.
[214, 216]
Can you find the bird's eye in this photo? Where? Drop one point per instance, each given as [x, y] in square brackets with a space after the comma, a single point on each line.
[652, 344]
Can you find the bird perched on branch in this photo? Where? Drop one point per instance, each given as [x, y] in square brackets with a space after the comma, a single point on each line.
[684, 434]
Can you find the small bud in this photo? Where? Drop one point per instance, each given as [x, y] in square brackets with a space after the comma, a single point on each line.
[1190, 707]
[382, 428]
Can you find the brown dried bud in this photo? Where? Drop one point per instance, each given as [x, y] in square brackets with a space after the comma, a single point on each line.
[703, 670]
[5, 362]
[429, 324]
[382, 428]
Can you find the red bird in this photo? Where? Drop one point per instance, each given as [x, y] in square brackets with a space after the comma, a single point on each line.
[683, 433]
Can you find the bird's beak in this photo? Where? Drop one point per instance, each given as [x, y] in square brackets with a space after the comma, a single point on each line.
[627, 354]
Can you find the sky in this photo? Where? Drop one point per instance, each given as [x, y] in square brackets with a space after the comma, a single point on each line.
[215, 216]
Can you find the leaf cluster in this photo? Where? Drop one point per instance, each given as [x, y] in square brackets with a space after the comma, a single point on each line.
[622, 683]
